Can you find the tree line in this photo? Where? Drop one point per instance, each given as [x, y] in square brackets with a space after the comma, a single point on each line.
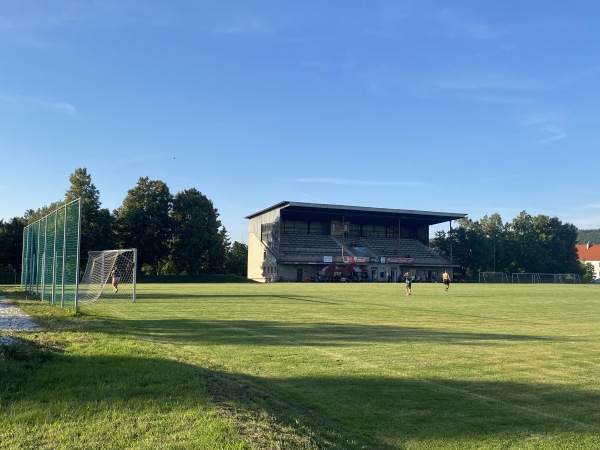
[182, 234]
[177, 234]
[528, 244]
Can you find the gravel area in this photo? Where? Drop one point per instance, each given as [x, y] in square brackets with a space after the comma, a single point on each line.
[13, 319]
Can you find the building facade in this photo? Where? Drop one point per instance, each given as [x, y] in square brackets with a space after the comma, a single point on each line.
[590, 253]
[293, 241]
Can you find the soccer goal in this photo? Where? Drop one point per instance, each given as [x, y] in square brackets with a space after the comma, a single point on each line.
[493, 277]
[109, 274]
[571, 278]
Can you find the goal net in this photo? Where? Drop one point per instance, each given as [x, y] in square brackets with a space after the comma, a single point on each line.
[109, 274]
[493, 277]
[571, 278]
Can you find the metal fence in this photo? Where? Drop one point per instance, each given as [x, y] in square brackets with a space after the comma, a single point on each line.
[50, 268]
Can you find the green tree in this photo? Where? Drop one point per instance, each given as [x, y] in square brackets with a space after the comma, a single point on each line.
[463, 246]
[494, 235]
[198, 243]
[96, 222]
[527, 256]
[32, 216]
[544, 245]
[237, 259]
[144, 222]
[11, 243]
[587, 271]
[539, 244]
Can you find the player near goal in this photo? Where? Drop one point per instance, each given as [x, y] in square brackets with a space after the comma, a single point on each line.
[113, 269]
[115, 275]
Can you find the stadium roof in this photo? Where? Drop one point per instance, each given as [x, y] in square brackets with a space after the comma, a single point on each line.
[316, 211]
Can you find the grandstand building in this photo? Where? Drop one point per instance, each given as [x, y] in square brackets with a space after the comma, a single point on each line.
[293, 241]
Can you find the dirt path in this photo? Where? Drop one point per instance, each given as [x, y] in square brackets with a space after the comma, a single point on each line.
[13, 319]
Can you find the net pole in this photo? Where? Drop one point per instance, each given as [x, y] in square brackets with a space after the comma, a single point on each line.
[37, 261]
[45, 257]
[134, 273]
[32, 258]
[54, 259]
[78, 254]
[64, 261]
[23, 260]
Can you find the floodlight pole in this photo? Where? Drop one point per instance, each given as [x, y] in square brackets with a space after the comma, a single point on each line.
[451, 259]
[494, 252]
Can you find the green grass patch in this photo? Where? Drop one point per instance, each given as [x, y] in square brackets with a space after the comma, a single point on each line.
[289, 365]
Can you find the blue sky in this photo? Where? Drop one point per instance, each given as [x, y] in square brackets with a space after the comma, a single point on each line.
[471, 107]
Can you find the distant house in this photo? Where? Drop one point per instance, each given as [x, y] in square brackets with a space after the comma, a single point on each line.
[590, 253]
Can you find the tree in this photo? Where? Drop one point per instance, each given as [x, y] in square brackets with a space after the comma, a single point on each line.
[96, 222]
[544, 244]
[522, 235]
[494, 232]
[144, 222]
[539, 244]
[32, 216]
[237, 259]
[198, 243]
[464, 243]
[11, 243]
[587, 271]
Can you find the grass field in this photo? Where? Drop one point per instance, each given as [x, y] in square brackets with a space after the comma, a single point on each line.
[306, 366]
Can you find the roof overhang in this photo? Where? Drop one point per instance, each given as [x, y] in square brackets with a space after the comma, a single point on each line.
[357, 214]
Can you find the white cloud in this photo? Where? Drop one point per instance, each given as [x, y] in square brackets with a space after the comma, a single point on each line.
[244, 26]
[497, 99]
[354, 182]
[473, 80]
[37, 103]
[554, 134]
[456, 27]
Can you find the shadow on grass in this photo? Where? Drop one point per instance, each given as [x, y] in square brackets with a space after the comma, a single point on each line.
[174, 298]
[114, 401]
[263, 332]
[56, 400]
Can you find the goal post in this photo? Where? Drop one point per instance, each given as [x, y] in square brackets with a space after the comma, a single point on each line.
[557, 278]
[109, 274]
[493, 277]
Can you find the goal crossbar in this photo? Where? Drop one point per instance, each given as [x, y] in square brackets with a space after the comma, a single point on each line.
[493, 277]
